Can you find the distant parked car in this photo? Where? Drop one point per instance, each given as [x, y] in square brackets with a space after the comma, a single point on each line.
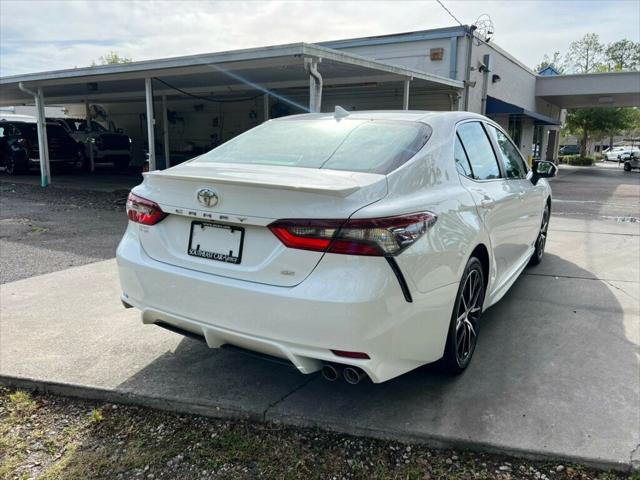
[626, 154]
[19, 149]
[633, 162]
[614, 154]
[570, 150]
[109, 146]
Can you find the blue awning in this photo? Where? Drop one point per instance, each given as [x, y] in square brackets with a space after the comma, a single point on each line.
[499, 107]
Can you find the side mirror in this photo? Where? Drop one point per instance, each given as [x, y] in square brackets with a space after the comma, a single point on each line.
[543, 169]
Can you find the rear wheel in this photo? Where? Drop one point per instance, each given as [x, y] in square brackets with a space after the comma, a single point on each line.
[16, 165]
[465, 320]
[541, 241]
[81, 164]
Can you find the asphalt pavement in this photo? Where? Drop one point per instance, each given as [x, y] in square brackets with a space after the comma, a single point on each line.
[555, 374]
[46, 230]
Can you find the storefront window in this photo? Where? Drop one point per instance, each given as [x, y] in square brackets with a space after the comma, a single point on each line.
[515, 128]
[537, 142]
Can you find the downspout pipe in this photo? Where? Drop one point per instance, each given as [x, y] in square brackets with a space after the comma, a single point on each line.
[467, 78]
[315, 84]
[45, 177]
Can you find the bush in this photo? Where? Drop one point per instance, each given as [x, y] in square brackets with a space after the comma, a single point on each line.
[578, 160]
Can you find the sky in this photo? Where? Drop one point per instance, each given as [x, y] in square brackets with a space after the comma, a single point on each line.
[47, 35]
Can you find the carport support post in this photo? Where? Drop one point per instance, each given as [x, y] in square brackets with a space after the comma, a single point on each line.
[89, 140]
[148, 90]
[43, 144]
[265, 100]
[165, 132]
[315, 84]
[405, 94]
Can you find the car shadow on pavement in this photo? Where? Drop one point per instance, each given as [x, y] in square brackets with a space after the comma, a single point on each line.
[555, 370]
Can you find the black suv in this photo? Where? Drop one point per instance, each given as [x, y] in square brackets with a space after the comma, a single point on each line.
[19, 147]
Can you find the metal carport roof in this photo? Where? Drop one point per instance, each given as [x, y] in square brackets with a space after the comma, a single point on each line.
[264, 69]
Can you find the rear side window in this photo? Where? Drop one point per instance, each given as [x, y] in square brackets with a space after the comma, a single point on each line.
[462, 162]
[479, 151]
[514, 166]
[375, 146]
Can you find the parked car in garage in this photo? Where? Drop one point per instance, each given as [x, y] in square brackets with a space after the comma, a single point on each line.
[364, 244]
[19, 149]
[109, 146]
[569, 150]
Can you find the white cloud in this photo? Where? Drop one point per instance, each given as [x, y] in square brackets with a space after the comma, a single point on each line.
[39, 35]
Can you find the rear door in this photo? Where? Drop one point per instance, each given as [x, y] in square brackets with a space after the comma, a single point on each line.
[516, 170]
[497, 199]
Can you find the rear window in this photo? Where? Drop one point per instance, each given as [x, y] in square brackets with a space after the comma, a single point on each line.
[375, 146]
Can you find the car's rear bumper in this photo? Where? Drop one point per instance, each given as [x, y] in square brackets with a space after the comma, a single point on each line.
[347, 303]
[70, 159]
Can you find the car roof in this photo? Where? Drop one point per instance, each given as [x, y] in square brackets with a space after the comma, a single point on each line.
[425, 116]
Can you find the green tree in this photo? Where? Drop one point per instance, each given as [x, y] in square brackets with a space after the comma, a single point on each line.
[554, 61]
[622, 55]
[111, 58]
[586, 122]
[585, 55]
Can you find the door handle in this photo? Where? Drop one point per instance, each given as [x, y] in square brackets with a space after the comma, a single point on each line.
[487, 204]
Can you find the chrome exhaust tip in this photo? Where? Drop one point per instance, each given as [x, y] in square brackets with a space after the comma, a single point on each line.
[330, 372]
[353, 375]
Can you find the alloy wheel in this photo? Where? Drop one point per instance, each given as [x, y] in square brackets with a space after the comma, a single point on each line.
[542, 236]
[468, 315]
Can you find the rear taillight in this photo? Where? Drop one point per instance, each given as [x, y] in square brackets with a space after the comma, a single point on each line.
[141, 210]
[372, 236]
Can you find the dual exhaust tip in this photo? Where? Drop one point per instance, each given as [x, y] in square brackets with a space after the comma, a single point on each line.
[352, 375]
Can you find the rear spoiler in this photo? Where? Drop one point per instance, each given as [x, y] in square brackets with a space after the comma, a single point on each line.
[323, 182]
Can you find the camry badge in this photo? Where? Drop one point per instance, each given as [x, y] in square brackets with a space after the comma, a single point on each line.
[207, 197]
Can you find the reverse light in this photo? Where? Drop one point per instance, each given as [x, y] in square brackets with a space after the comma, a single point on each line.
[141, 210]
[386, 236]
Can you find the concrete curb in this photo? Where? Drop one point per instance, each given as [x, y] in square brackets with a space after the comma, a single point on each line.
[220, 411]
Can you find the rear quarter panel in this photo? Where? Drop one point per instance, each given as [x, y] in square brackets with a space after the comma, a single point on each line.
[430, 182]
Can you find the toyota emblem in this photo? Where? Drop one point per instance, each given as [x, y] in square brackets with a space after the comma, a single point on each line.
[207, 197]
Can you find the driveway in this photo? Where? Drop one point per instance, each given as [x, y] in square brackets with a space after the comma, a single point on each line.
[556, 371]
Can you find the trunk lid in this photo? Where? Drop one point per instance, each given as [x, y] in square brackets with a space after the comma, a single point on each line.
[249, 197]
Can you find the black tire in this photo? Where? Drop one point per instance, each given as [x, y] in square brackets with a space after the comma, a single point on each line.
[82, 163]
[465, 319]
[627, 167]
[541, 241]
[16, 164]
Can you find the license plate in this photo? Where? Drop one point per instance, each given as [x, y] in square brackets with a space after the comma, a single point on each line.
[215, 241]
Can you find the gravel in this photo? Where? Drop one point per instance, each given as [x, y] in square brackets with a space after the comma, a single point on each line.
[64, 438]
[46, 230]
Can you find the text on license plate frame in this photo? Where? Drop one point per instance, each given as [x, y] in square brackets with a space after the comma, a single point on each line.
[217, 256]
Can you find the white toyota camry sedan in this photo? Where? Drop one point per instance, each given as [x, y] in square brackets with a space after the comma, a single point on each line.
[362, 244]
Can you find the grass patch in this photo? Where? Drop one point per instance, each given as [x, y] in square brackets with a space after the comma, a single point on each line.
[578, 160]
[63, 438]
